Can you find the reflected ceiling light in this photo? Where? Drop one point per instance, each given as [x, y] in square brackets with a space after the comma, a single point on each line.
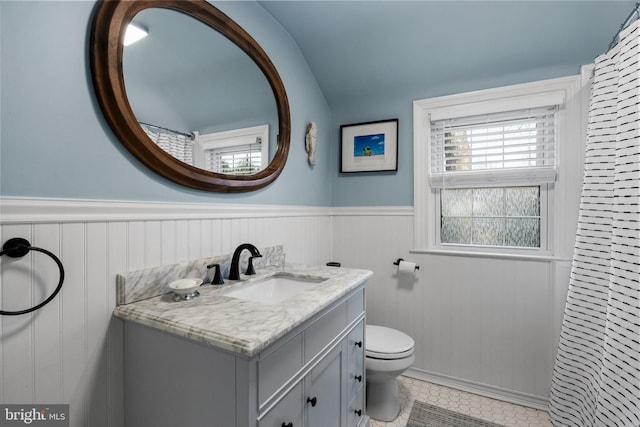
[134, 33]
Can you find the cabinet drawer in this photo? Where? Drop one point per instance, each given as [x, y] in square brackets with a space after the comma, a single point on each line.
[355, 360]
[277, 366]
[355, 305]
[288, 410]
[324, 330]
[355, 411]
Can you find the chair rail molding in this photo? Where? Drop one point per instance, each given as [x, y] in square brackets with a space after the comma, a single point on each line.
[16, 210]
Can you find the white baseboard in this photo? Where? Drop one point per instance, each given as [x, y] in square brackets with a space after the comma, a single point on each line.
[486, 390]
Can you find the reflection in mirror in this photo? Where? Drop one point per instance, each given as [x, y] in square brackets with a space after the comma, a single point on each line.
[107, 71]
[199, 96]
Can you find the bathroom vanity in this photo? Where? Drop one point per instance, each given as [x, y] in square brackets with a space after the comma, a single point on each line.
[221, 360]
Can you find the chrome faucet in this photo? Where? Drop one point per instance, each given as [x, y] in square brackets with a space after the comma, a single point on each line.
[234, 270]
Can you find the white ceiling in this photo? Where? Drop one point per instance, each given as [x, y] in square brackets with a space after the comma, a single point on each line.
[356, 48]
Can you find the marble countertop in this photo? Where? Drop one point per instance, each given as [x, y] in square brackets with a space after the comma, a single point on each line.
[241, 326]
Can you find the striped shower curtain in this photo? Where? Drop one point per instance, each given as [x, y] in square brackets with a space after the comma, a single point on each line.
[178, 145]
[596, 378]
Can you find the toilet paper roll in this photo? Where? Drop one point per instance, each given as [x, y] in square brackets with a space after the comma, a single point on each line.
[406, 267]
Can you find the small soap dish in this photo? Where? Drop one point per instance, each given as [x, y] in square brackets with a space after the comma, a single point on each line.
[185, 289]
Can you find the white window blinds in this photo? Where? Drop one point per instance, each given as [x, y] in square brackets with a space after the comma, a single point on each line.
[498, 149]
[238, 159]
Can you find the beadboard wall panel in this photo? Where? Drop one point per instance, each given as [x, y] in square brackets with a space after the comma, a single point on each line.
[479, 323]
[70, 351]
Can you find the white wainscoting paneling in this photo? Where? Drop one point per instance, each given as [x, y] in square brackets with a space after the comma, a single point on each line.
[70, 351]
[482, 324]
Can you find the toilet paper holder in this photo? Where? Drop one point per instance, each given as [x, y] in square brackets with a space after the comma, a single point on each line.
[397, 262]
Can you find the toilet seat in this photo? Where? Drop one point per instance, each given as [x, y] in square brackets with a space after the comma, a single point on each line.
[387, 344]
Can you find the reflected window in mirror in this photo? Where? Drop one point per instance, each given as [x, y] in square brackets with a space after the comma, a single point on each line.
[187, 75]
[239, 151]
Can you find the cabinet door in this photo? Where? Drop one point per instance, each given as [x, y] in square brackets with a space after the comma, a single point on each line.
[323, 392]
[287, 412]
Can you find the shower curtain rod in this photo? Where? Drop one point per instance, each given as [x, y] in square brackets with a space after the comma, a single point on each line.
[626, 23]
[187, 134]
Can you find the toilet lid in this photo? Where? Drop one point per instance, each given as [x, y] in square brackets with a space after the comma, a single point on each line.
[387, 343]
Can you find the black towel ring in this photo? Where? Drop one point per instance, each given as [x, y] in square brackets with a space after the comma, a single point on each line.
[19, 247]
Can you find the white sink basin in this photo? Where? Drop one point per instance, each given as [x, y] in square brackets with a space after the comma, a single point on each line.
[274, 289]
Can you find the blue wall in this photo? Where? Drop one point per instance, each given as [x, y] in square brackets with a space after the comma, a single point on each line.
[396, 188]
[54, 142]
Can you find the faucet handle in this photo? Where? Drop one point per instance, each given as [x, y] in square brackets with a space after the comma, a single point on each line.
[250, 269]
[217, 277]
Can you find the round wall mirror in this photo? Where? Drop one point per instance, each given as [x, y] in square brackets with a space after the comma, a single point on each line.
[197, 101]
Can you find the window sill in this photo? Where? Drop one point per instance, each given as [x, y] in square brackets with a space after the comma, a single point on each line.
[493, 255]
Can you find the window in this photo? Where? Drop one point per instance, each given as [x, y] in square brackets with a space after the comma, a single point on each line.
[485, 216]
[239, 152]
[472, 155]
[486, 165]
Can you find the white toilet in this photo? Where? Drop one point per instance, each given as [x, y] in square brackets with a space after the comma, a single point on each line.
[388, 354]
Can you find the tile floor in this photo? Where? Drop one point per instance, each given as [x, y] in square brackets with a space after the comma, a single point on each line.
[507, 414]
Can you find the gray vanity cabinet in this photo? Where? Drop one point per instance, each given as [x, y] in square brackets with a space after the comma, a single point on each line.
[329, 385]
[312, 377]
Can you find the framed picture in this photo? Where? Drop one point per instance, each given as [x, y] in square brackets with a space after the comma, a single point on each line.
[369, 147]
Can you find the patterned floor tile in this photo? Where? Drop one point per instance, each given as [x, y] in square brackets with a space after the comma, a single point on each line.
[508, 414]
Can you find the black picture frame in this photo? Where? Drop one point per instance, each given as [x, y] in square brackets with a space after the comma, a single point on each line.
[369, 146]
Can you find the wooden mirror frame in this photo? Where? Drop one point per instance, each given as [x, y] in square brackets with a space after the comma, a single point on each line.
[106, 49]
